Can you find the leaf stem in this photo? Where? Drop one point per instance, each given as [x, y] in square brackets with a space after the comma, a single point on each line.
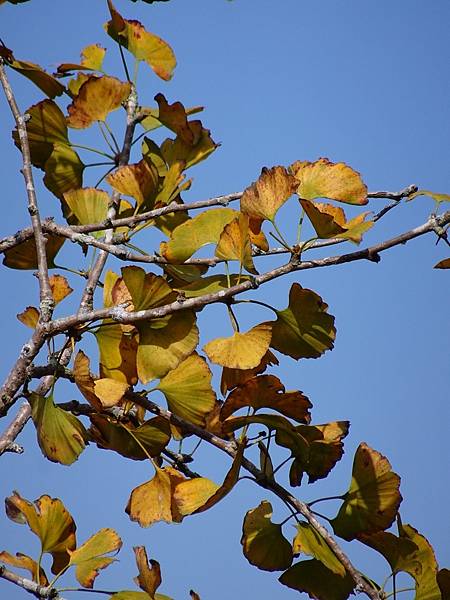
[104, 175]
[74, 589]
[282, 463]
[233, 319]
[281, 240]
[393, 594]
[111, 133]
[105, 137]
[99, 164]
[90, 149]
[256, 302]
[124, 63]
[325, 498]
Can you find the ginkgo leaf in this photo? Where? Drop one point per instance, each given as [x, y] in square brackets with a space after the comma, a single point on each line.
[174, 117]
[96, 98]
[304, 329]
[162, 349]
[110, 391]
[60, 288]
[188, 390]
[45, 127]
[192, 235]
[233, 377]
[50, 521]
[90, 557]
[153, 501]
[91, 60]
[325, 179]
[309, 541]
[356, 227]
[149, 578]
[76, 82]
[63, 170]
[263, 542]
[210, 285]
[146, 290]
[443, 264]
[267, 391]
[437, 197]
[136, 443]
[87, 205]
[401, 553]
[235, 244]
[423, 567]
[327, 220]
[372, 502]
[23, 256]
[241, 350]
[22, 561]
[118, 351]
[313, 577]
[29, 317]
[61, 436]
[84, 379]
[139, 181]
[443, 580]
[172, 186]
[266, 196]
[141, 43]
[175, 150]
[151, 121]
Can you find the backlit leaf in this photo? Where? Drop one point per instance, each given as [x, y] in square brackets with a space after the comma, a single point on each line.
[139, 181]
[110, 391]
[61, 436]
[325, 179]
[372, 502]
[50, 521]
[153, 436]
[91, 60]
[266, 196]
[90, 557]
[29, 317]
[309, 541]
[327, 220]
[203, 229]
[84, 379]
[175, 150]
[437, 197]
[241, 350]
[44, 81]
[60, 288]
[188, 390]
[141, 43]
[193, 493]
[234, 243]
[63, 170]
[233, 377]
[263, 542]
[146, 290]
[267, 391]
[153, 501]
[401, 553]
[149, 578]
[312, 577]
[96, 98]
[22, 561]
[118, 351]
[23, 256]
[304, 329]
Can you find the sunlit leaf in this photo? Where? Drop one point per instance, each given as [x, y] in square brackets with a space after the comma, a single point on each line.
[309, 541]
[23, 256]
[233, 377]
[149, 578]
[63, 170]
[172, 186]
[203, 229]
[76, 82]
[372, 502]
[175, 150]
[96, 98]
[327, 220]
[153, 501]
[266, 196]
[45, 127]
[90, 557]
[84, 379]
[325, 179]
[91, 60]
[235, 244]
[44, 81]
[443, 264]
[118, 351]
[241, 350]
[22, 561]
[146, 290]
[50, 521]
[136, 443]
[61, 436]
[139, 181]
[141, 43]
[60, 290]
[263, 542]
[437, 197]
[304, 329]
[29, 317]
[110, 391]
[188, 390]
[312, 577]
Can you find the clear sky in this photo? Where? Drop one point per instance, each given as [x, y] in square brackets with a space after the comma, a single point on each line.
[361, 82]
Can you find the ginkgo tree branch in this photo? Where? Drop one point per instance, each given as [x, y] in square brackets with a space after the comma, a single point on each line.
[45, 293]
[38, 590]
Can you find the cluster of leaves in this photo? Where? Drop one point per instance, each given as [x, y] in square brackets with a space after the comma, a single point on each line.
[151, 335]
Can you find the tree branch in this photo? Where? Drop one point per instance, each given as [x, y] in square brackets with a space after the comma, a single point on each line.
[40, 591]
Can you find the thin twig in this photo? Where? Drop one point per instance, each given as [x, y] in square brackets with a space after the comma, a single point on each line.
[38, 590]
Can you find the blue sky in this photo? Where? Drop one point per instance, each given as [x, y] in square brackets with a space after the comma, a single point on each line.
[364, 83]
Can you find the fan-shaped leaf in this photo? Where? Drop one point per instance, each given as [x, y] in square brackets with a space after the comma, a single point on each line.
[23, 256]
[241, 350]
[110, 391]
[235, 244]
[22, 561]
[91, 60]
[233, 377]
[63, 170]
[139, 181]
[176, 150]
[118, 352]
[90, 557]
[309, 541]
[174, 117]
[29, 317]
[44, 81]
[312, 577]
[264, 198]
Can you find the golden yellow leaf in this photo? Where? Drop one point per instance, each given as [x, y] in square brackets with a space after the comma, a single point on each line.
[325, 179]
[191, 494]
[176, 150]
[149, 578]
[241, 350]
[96, 98]
[22, 561]
[264, 197]
[235, 243]
[110, 391]
[139, 181]
[118, 351]
[60, 288]
[29, 317]
[84, 379]
[174, 117]
[233, 377]
[90, 557]
[91, 60]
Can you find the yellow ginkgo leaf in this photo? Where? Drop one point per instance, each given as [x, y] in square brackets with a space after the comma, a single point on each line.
[29, 317]
[264, 197]
[63, 170]
[149, 578]
[241, 350]
[235, 243]
[90, 557]
[325, 179]
[91, 60]
[110, 391]
[140, 181]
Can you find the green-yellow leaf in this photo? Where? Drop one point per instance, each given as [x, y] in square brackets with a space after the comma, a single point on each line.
[372, 502]
[44, 81]
[61, 436]
[312, 577]
[437, 197]
[235, 243]
[401, 553]
[188, 390]
[96, 98]
[263, 542]
[309, 541]
[50, 521]
[266, 196]
[241, 350]
[325, 179]
[140, 181]
[176, 150]
[63, 170]
[141, 43]
[91, 60]
[87, 205]
[118, 351]
[90, 557]
[304, 329]
[110, 391]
